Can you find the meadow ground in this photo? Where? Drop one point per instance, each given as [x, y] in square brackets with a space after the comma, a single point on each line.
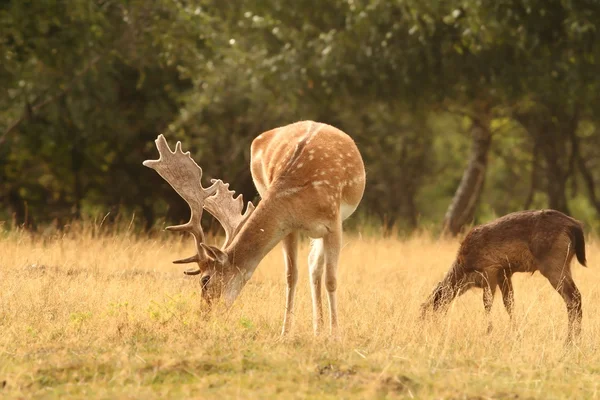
[109, 316]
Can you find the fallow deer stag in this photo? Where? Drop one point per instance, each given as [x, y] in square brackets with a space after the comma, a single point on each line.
[310, 177]
[526, 241]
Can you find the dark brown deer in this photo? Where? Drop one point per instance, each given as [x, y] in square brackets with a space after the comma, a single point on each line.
[525, 241]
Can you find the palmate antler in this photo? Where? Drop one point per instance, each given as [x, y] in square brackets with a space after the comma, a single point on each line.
[228, 210]
[184, 175]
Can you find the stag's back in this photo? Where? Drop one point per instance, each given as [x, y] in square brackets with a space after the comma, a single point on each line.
[312, 168]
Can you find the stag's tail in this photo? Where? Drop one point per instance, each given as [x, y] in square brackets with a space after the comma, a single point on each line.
[578, 240]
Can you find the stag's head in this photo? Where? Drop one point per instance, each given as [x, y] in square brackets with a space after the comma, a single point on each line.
[220, 279]
[219, 276]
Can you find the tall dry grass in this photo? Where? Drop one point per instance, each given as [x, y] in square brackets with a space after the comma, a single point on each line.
[108, 316]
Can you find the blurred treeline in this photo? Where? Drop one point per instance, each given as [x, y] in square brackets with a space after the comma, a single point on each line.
[504, 92]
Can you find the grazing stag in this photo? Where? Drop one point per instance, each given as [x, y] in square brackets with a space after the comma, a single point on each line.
[526, 241]
[310, 177]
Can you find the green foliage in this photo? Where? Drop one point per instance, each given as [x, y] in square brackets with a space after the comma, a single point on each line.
[89, 85]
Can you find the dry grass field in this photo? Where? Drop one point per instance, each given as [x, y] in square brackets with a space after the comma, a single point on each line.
[109, 316]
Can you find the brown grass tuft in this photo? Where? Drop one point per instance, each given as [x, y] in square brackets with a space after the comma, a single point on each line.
[91, 315]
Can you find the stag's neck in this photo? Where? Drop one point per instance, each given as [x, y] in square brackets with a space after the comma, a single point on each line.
[263, 230]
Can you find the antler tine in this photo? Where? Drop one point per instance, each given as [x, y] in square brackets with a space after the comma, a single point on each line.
[184, 175]
[228, 210]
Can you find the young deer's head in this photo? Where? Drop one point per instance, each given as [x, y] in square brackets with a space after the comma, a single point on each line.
[219, 277]
[454, 284]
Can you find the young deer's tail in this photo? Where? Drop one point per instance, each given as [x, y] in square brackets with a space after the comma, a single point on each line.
[578, 240]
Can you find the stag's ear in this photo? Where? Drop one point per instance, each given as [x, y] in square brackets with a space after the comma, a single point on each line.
[214, 253]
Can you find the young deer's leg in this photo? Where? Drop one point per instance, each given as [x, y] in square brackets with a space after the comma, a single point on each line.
[332, 244]
[316, 262]
[562, 281]
[508, 297]
[489, 289]
[290, 254]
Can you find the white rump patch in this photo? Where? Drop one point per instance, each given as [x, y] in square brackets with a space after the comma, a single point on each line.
[346, 210]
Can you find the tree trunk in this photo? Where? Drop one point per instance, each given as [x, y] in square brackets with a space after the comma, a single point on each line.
[556, 188]
[77, 157]
[463, 205]
[76, 166]
[553, 130]
[589, 183]
[533, 182]
[587, 175]
[18, 207]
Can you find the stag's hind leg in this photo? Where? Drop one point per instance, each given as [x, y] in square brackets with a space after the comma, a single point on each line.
[559, 274]
[332, 245]
[316, 263]
[290, 254]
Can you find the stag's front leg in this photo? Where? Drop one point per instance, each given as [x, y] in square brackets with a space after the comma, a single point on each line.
[332, 243]
[489, 289]
[316, 263]
[290, 254]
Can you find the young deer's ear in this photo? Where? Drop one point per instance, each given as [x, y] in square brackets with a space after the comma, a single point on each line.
[214, 253]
